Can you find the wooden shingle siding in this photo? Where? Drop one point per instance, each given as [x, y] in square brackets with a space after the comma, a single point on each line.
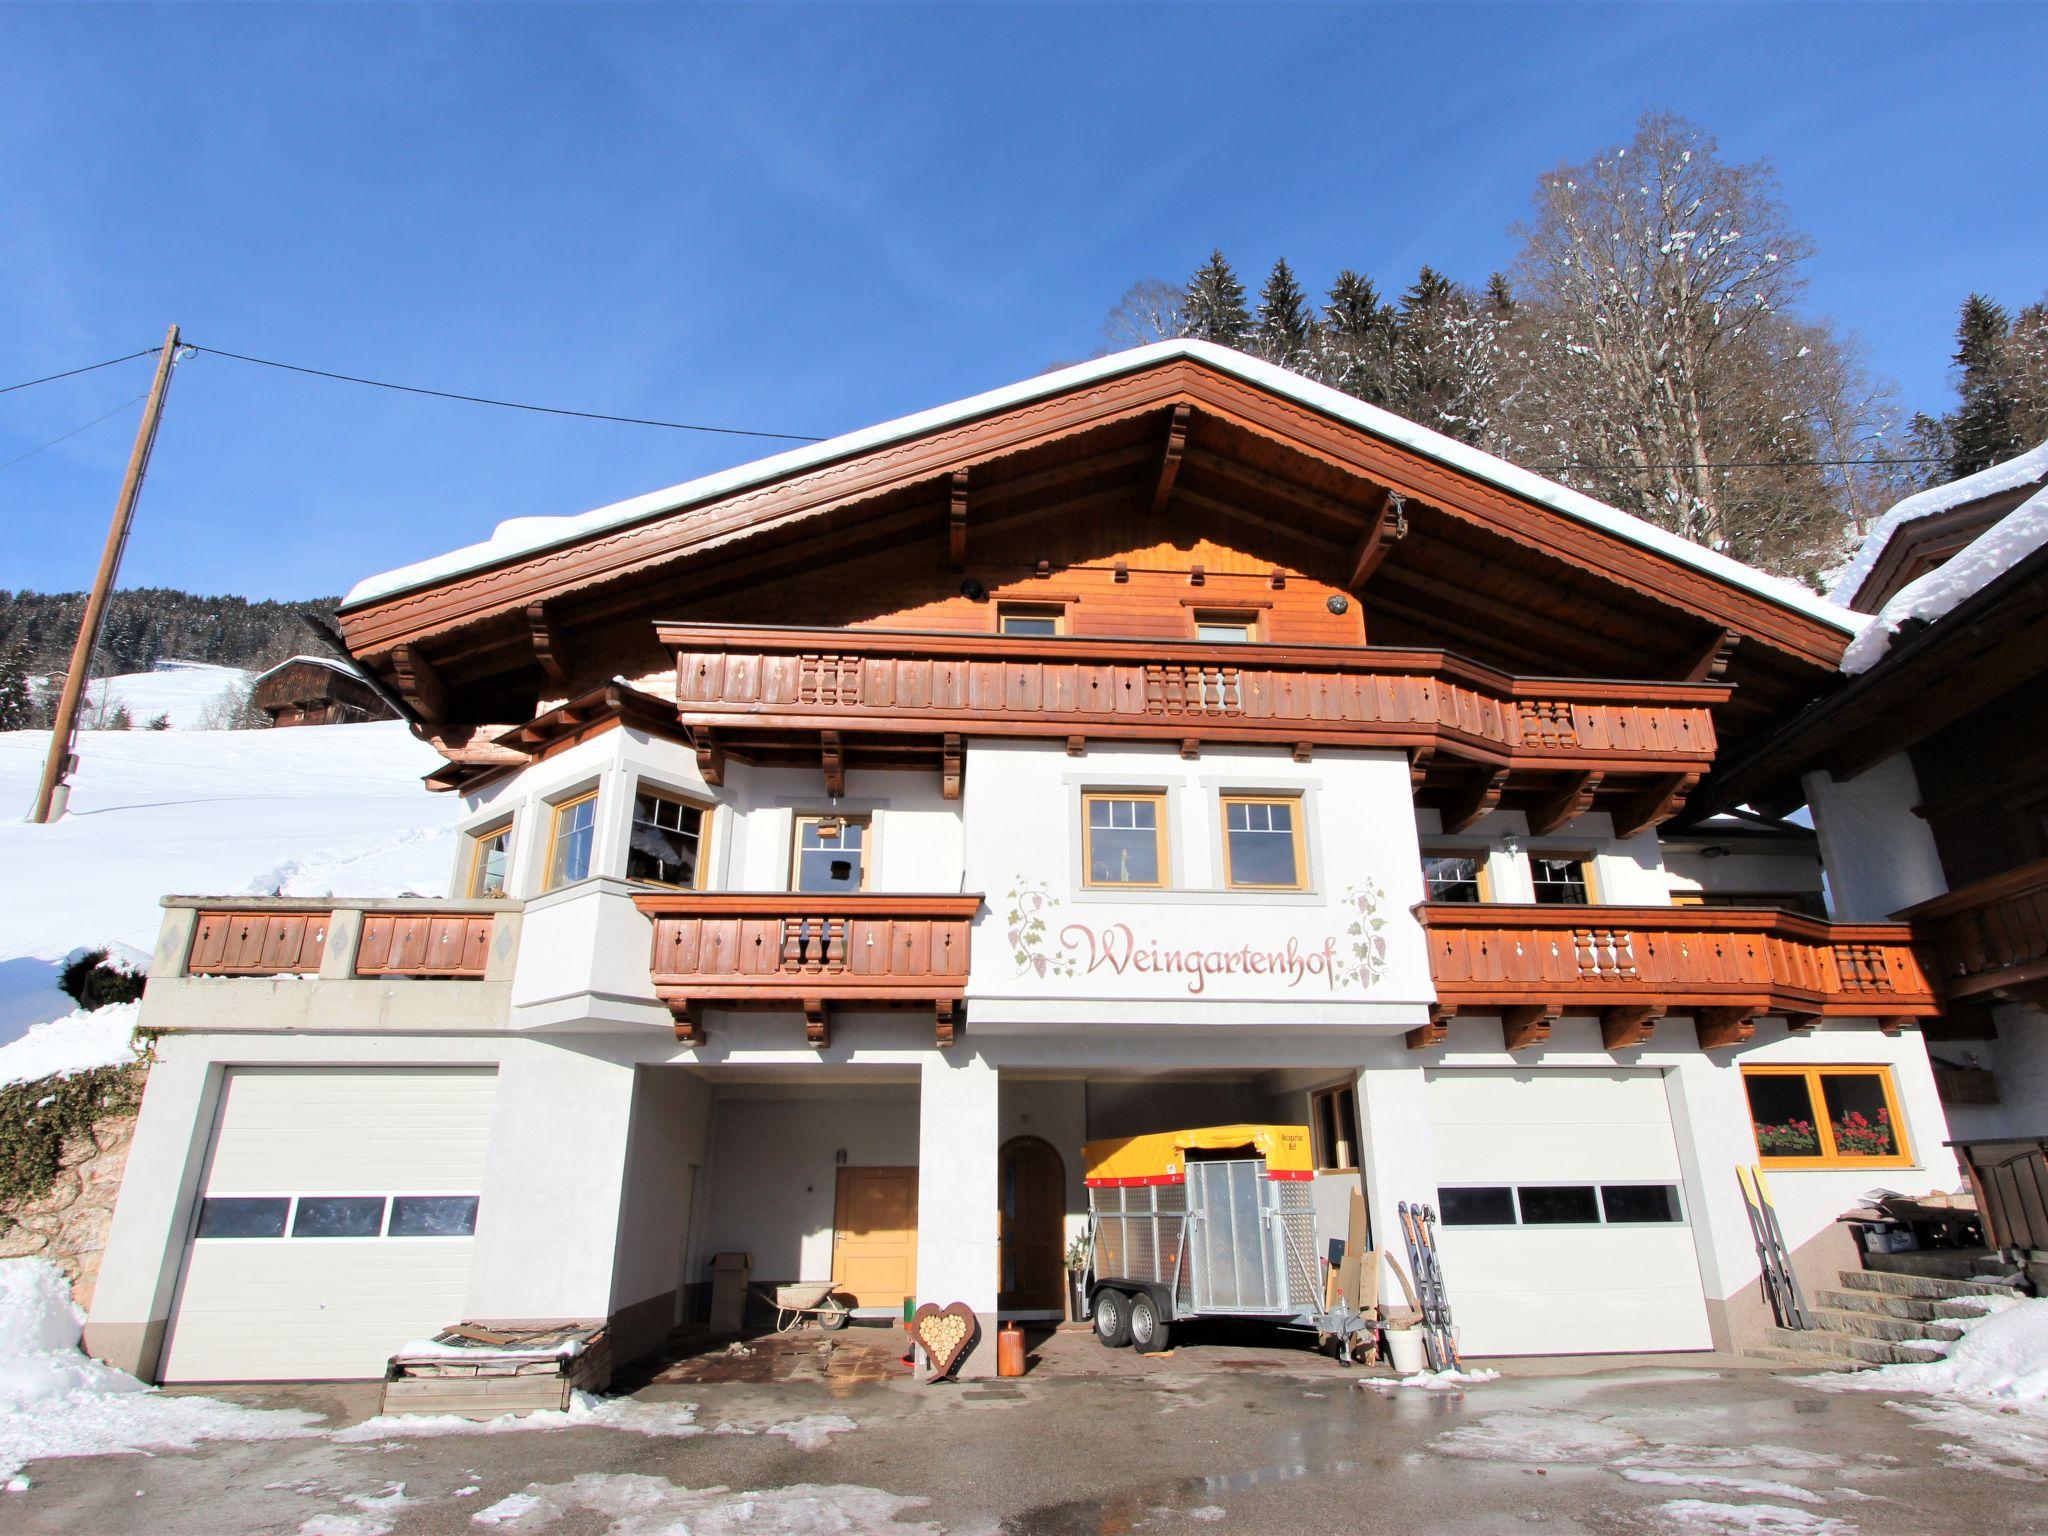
[258, 943]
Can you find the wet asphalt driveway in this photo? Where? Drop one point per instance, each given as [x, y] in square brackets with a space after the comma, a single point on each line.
[1190, 1445]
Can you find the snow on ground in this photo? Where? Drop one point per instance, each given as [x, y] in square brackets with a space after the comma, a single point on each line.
[2029, 468]
[2002, 1356]
[1997, 550]
[309, 811]
[585, 1411]
[56, 1402]
[1432, 1381]
[1699, 1517]
[77, 1042]
[184, 690]
[640, 1505]
[1538, 1436]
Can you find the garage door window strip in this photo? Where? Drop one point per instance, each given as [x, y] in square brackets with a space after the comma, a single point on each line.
[290, 1218]
[1554, 1205]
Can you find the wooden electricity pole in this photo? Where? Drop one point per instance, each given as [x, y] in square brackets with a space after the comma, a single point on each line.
[57, 769]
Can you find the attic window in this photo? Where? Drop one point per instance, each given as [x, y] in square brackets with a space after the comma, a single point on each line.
[1226, 627]
[1030, 618]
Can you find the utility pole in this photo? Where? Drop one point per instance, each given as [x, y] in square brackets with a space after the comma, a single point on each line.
[54, 790]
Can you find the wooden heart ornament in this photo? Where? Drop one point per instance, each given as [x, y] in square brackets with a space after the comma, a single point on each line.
[944, 1333]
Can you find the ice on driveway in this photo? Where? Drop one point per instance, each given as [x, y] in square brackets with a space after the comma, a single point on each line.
[641, 1505]
[1538, 1436]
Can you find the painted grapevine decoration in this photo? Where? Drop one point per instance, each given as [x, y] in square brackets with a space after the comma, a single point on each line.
[944, 1334]
[1365, 934]
[1029, 926]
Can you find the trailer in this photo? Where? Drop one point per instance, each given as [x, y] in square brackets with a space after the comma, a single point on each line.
[1212, 1222]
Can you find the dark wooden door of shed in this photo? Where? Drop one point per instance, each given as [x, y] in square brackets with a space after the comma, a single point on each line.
[1033, 1197]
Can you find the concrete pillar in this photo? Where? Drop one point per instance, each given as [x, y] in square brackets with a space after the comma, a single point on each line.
[1393, 1121]
[957, 1231]
[554, 1182]
[173, 942]
[1879, 856]
[344, 938]
[131, 1304]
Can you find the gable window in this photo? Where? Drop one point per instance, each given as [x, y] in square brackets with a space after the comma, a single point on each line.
[1262, 844]
[1333, 1123]
[1123, 839]
[831, 853]
[1454, 877]
[490, 862]
[575, 836]
[667, 844]
[1826, 1117]
[1030, 619]
[1560, 881]
[1225, 628]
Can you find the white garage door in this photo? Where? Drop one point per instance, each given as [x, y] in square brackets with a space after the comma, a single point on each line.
[336, 1221]
[1564, 1229]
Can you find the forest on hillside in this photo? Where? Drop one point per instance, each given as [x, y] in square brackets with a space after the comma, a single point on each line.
[146, 625]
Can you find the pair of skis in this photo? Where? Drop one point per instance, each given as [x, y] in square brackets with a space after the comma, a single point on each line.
[1418, 1229]
[1772, 1255]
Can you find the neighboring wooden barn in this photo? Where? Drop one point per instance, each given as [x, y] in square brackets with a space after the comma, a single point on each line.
[313, 690]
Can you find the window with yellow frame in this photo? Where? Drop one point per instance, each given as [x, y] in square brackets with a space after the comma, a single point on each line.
[490, 861]
[573, 840]
[1826, 1117]
[1123, 840]
[1265, 847]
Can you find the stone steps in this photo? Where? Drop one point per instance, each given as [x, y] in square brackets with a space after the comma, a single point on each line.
[1919, 1308]
[1926, 1287]
[1881, 1316]
[1852, 1346]
[1875, 1325]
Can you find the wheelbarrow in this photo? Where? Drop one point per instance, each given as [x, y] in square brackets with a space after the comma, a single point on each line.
[800, 1299]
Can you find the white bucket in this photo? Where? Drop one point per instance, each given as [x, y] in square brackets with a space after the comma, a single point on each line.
[1404, 1347]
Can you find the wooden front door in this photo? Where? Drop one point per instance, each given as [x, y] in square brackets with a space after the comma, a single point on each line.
[874, 1235]
[1032, 1190]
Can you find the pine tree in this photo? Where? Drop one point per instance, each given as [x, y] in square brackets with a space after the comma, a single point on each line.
[17, 700]
[1286, 327]
[120, 719]
[1982, 431]
[1500, 298]
[1215, 305]
[1357, 337]
[160, 722]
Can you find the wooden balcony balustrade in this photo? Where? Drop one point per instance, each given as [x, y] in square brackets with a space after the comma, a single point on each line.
[789, 694]
[1989, 941]
[1631, 966]
[260, 941]
[809, 951]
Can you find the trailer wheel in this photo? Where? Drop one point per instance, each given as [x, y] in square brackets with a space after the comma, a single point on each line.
[1150, 1334]
[1112, 1318]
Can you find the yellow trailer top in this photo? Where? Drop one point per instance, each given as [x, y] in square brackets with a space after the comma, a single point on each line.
[1162, 1158]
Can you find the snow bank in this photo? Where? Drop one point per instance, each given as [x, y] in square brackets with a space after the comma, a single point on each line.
[2002, 1355]
[638, 1504]
[1432, 1381]
[1997, 550]
[56, 1402]
[2029, 468]
[78, 1042]
[314, 811]
[184, 690]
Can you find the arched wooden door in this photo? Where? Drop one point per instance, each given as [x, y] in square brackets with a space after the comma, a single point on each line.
[1033, 1186]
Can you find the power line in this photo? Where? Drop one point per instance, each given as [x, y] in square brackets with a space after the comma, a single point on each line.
[53, 442]
[1746, 464]
[510, 405]
[72, 373]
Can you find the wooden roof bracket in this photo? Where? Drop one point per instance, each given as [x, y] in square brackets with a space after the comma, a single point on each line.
[1386, 525]
[956, 522]
[1709, 663]
[1425, 1036]
[1800, 1023]
[1652, 807]
[1526, 1025]
[710, 754]
[1623, 1029]
[1170, 457]
[1722, 1027]
[1566, 805]
[419, 684]
[832, 754]
[949, 1014]
[817, 1024]
[689, 1020]
[1418, 766]
[953, 766]
[1480, 796]
[550, 648]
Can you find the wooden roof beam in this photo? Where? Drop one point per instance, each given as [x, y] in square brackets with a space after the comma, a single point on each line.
[1526, 1025]
[1386, 526]
[1722, 1027]
[956, 521]
[419, 684]
[1708, 661]
[1211, 462]
[1565, 805]
[832, 754]
[1651, 807]
[1480, 795]
[550, 647]
[1170, 456]
[1625, 1028]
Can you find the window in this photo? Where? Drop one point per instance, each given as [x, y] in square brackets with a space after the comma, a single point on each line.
[575, 836]
[433, 1216]
[831, 853]
[1262, 844]
[1561, 1205]
[667, 841]
[1333, 1119]
[338, 1216]
[490, 862]
[1454, 876]
[1121, 839]
[243, 1216]
[1560, 881]
[1826, 1117]
[317, 1216]
[1029, 618]
[1226, 628]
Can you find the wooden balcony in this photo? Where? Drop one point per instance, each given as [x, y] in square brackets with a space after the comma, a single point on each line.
[270, 937]
[809, 952]
[1631, 966]
[1989, 941]
[887, 697]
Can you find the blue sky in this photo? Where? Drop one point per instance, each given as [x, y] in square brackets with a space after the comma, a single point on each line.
[811, 218]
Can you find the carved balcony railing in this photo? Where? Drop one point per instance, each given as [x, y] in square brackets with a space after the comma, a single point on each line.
[288, 937]
[765, 691]
[807, 951]
[1631, 966]
[1989, 941]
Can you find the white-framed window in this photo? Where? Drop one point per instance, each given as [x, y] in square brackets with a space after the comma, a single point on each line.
[1453, 874]
[1030, 619]
[297, 1218]
[831, 854]
[1561, 879]
[1621, 1203]
[668, 840]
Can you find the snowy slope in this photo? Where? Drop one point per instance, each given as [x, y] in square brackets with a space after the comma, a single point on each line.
[311, 811]
[180, 689]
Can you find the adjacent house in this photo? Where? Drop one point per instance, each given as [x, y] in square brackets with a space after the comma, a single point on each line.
[1160, 742]
[316, 690]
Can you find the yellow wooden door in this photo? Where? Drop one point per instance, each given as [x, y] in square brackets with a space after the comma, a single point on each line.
[874, 1235]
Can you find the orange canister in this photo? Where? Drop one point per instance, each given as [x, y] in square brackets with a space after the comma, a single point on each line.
[1010, 1350]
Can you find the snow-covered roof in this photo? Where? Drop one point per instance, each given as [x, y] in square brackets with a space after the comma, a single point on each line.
[2029, 468]
[1997, 550]
[328, 662]
[527, 535]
